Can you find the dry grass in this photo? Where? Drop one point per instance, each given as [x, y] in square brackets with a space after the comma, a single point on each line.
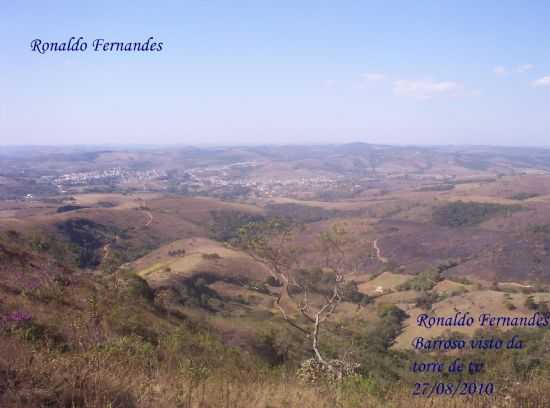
[98, 380]
[448, 287]
[159, 267]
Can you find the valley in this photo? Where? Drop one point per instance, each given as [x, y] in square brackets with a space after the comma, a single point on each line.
[279, 253]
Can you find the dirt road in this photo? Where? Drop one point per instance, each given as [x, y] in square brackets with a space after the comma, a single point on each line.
[379, 252]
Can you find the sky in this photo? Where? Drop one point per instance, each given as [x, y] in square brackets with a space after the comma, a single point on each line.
[278, 72]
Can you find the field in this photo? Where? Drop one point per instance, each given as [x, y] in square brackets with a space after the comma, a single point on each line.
[200, 256]
[384, 282]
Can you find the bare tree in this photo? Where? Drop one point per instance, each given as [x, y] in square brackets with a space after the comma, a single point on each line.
[272, 243]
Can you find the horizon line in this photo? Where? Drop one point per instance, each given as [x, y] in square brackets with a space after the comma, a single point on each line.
[235, 145]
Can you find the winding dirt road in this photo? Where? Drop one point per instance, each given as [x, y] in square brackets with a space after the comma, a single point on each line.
[379, 252]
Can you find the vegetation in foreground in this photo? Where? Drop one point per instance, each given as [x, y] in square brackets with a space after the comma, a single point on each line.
[70, 339]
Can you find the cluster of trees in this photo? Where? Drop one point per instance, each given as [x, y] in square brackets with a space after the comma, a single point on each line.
[300, 213]
[461, 214]
[424, 281]
[427, 279]
[177, 252]
[226, 224]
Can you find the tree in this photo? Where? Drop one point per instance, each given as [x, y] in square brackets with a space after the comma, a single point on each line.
[272, 243]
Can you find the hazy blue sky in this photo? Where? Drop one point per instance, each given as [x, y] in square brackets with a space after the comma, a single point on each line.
[254, 72]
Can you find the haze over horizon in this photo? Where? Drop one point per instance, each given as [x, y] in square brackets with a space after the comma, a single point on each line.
[285, 73]
[146, 146]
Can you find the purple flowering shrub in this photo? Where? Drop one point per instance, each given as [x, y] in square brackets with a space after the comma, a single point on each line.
[14, 319]
[21, 324]
[19, 316]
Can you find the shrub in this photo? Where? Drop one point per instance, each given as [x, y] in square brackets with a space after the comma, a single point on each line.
[426, 300]
[272, 348]
[273, 281]
[530, 303]
[509, 305]
[211, 257]
[392, 316]
[350, 293]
